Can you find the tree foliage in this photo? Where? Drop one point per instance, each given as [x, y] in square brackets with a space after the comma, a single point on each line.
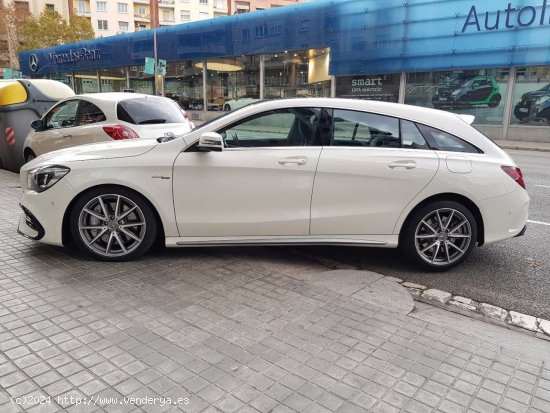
[50, 29]
[12, 20]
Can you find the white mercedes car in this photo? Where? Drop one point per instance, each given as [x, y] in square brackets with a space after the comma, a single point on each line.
[300, 171]
[98, 117]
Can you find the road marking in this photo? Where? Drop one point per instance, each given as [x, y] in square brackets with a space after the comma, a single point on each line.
[539, 222]
[543, 186]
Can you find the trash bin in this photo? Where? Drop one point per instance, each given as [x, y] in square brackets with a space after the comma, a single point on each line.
[21, 102]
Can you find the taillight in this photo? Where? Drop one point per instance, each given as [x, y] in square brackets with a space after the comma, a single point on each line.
[120, 132]
[514, 173]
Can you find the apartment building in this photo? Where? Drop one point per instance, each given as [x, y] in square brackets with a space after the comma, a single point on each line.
[245, 6]
[36, 7]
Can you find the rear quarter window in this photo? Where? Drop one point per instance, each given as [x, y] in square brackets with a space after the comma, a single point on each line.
[443, 141]
[149, 110]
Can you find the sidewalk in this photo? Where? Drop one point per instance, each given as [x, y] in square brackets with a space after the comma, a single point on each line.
[242, 330]
[529, 146]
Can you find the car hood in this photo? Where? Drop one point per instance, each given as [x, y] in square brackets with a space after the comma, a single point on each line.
[102, 150]
[536, 94]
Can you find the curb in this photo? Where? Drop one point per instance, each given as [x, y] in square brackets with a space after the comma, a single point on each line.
[524, 148]
[534, 326]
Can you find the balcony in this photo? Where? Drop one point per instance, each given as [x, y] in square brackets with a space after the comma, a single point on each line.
[83, 13]
[142, 17]
[164, 3]
[141, 1]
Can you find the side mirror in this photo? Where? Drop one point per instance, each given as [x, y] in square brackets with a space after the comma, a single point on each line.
[211, 141]
[37, 125]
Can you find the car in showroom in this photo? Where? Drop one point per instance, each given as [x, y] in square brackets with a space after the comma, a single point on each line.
[534, 106]
[468, 91]
[98, 117]
[240, 102]
[285, 172]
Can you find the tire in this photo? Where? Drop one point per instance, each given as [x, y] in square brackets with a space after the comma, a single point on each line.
[431, 245]
[495, 101]
[123, 235]
[29, 155]
[226, 108]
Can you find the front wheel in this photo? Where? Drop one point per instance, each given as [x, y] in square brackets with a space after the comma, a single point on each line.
[439, 236]
[113, 224]
[495, 101]
[29, 155]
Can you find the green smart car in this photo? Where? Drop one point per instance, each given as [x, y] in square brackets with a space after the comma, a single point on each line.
[464, 92]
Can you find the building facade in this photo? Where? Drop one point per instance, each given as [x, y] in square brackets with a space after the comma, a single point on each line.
[485, 58]
[245, 6]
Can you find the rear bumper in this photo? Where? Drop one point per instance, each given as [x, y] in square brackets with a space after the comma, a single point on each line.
[505, 216]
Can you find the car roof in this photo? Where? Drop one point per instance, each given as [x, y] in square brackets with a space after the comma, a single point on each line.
[115, 96]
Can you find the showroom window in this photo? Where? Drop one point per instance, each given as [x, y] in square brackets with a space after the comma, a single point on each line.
[353, 128]
[283, 127]
[232, 82]
[531, 102]
[481, 92]
[296, 74]
[183, 84]
[370, 87]
[86, 82]
[113, 80]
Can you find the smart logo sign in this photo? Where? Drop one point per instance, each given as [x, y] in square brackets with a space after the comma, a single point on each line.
[508, 18]
[74, 56]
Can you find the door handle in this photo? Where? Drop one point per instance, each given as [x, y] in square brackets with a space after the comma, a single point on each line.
[67, 136]
[296, 161]
[402, 164]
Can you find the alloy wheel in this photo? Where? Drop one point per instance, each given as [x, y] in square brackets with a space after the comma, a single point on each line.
[112, 225]
[443, 236]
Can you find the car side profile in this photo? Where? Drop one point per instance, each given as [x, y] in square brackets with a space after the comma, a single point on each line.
[285, 172]
[534, 106]
[99, 117]
[464, 92]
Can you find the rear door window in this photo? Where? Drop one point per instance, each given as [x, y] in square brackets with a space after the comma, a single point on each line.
[352, 128]
[150, 111]
[89, 113]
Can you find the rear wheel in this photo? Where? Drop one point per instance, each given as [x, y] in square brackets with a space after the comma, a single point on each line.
[113, 224]
[495, 101]
[439, 236]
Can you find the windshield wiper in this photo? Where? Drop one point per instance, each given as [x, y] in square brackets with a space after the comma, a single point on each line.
[145, 122]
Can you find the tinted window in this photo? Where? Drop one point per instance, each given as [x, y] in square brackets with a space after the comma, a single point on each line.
[62, 116]
[149, 110]
[411, 137]
[443, 141]
[89, 113]
[365, 129]
[283, 127]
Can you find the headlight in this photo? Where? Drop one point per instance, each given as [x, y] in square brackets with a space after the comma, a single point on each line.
[542, 99]
[44, 177]
[456, 92]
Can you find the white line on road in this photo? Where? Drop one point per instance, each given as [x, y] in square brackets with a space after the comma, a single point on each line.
[543, 186]
[539, 222]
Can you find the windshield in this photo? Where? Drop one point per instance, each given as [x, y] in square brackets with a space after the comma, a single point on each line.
[150, 110]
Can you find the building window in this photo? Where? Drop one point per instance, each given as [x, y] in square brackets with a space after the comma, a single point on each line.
[184, 1]
[122, 26]
[167, 16]
[185, 15]
[122, 7]
[50, 7]
[81, 7]
[203, 2]
[102, 25]
[141, 11]
[101, 5]
[203, 15]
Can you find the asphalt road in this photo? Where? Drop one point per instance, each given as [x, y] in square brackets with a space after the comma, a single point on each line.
[513, 274]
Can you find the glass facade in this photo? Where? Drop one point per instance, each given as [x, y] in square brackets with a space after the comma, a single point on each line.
[183, 83]
[531, 101]
[86, 81]
[113, 80]
[141, 82]
[297, 74]
[480, 92]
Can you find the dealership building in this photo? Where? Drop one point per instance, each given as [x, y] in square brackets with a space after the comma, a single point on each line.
[487, 58]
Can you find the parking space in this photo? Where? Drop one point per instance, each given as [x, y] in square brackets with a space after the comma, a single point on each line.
[231, 330]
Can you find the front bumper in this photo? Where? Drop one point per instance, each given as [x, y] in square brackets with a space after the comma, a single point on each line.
[43, 213]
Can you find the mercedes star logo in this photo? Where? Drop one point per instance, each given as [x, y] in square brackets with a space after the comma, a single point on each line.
[33, 62]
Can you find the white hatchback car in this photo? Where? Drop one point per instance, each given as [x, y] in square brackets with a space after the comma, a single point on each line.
[98, 117]
[300, 171]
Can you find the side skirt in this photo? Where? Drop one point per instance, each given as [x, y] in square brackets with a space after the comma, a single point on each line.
[381, 241]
